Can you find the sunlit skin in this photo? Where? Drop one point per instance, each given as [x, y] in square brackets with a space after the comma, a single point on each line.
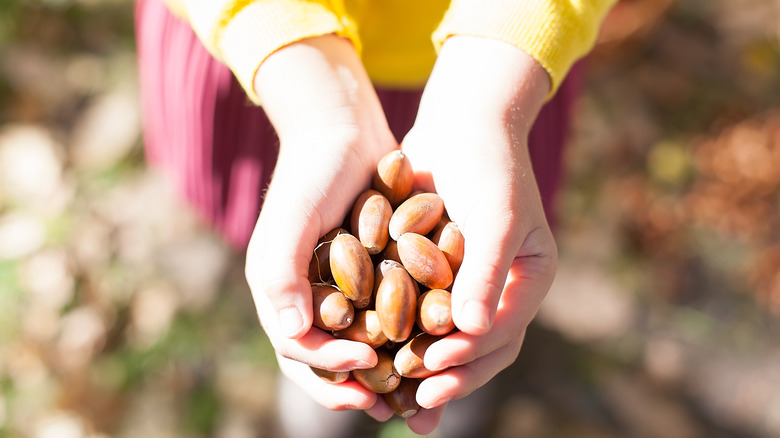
[468, 144]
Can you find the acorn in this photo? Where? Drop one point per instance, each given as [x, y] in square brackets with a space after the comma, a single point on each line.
[403, 399]
[391, 251]
[379, 273]
[424, 261]
[369, 220]
[434, 312]
[450, 241]
[394, 177]
[365, 328]
[381, 269]
[331, 376]
[332, 309]
[319, 266]
[418, 214]
[409, 358]
[445, 219]
[396, 303]
[382, 378]
[352, 269]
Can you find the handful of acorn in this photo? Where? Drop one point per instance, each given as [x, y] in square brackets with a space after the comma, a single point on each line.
[384, 281]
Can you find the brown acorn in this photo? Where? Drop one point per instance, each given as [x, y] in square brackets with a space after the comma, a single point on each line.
[396, 304]
[418, 214]
[331, 376]
[381, 269]
[434, 312]
[450, 241]
[370, 217]
[391, 251]
[394, 177]
[445, 219]
[365, 328]
[424, 261]
[409, 358]
[319, 266]
[332, 309]
[352, 269]
[403, 399]
[382, 378]
[379, 274]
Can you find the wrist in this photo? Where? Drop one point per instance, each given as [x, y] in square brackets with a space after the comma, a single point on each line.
[480, 79]
[318, 85]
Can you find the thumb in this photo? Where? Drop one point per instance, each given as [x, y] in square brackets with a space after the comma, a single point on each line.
[491, 242]
[277, 263]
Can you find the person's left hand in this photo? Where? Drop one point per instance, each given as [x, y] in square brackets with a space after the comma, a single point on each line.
[469, 144]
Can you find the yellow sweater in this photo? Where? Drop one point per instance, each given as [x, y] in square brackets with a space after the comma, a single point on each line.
[397, 39]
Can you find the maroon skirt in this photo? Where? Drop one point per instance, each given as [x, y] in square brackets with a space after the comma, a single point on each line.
[219, 150]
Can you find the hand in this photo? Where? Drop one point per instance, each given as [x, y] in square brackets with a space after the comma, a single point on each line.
[332, 133]
[469, 144]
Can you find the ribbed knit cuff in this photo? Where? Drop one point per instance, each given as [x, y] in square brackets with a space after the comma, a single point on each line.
[554, 32]
[260, 28]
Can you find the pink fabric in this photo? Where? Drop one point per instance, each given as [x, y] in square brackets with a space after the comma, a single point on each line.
[548, 137]
[220, 150]
[199, 127]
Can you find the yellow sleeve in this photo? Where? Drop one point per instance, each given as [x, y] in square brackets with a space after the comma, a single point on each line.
[554, 32]
[242, 33]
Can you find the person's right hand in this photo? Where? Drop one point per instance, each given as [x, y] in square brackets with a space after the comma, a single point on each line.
[332, 133]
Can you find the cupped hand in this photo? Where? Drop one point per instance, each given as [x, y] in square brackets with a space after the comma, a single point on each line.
[469, 144]
[332, 133]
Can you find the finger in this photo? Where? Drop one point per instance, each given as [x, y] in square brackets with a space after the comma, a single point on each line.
[319, 349]
[381, 411]
[458, 382]
[278, 258]
[424, 181]
[528, 281]
[336, 396]
[425, 420]
[316, 347]
[491, 242]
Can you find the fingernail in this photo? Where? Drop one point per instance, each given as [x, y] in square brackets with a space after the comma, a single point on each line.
[291, 321]
[433, 361]
[444, 400]
[477, 314]
[437, 365]
[362, 364]
[436, 403]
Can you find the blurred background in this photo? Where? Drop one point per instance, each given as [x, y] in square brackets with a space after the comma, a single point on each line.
[122, 315]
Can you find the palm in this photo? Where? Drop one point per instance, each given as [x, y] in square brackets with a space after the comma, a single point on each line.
[485, 179]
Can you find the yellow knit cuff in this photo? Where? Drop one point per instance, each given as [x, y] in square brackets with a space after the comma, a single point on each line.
[260, 28]
[554, 32]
